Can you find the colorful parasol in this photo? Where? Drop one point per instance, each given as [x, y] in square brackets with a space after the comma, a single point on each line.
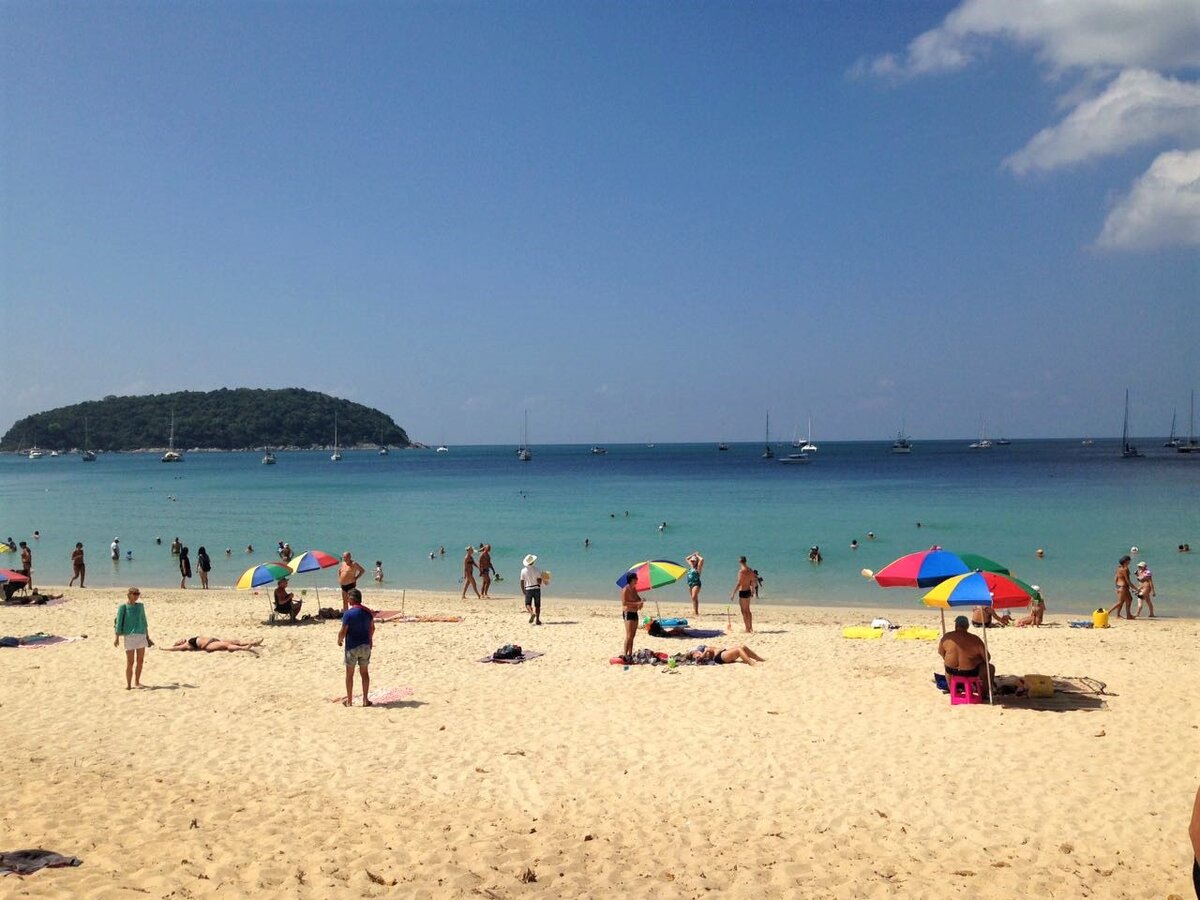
[10, 575]
[926, 568]
[263, 573]
[652, 573]
[981, 589]
[311, 561]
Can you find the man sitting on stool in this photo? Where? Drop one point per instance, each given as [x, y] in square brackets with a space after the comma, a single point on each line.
[964, 654]
[284, 602]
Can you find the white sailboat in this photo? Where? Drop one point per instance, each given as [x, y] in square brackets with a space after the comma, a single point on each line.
[172, 455]
[524, 454]
[768, 453]
[809, 446]
[87, 455]
[1128, 450]
[983, 443]
[1192, 445]
[336, 456]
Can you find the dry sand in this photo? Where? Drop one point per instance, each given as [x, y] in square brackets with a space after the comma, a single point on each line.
[834, 769]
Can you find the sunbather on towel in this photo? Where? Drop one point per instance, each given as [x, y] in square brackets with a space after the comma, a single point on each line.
[212, 644]
[719, 657]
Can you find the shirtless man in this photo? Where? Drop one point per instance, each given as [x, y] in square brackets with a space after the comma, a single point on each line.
[469, 573]
[986, 617]
[485, 570]
[1121, 584]
[285, 601]
[964, 653]
[27, 564]
[744, 588]
[348, 574]
[631, 604]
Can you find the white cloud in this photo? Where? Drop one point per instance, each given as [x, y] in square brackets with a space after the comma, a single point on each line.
[1162, 209]
[1138, 107]
[1064, 34]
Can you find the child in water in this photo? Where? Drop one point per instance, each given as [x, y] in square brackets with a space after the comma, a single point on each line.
[379, 570]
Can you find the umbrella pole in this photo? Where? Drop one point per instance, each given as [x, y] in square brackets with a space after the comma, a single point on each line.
[402, 595]
[943, 612]
[987, 665]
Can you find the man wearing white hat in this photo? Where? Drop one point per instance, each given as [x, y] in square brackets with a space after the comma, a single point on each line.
[531, 584]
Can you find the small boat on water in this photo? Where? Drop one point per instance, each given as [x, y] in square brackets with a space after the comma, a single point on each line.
[808, 446]
[1172, 441]
[901, 444]
[36, 452]
[524, 454]
[336, 456]
[1128, 450]
[442, 449]
[768, 453]
[1191, 445]
[722, 447]
[172, 455]
[87, 455]
[599, 451]
[795, 459]
[268, 458]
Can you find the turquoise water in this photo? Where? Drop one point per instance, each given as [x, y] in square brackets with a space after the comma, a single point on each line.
[1084, 505]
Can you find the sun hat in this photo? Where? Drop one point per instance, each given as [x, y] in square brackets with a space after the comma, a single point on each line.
[530, 559]
[1143, 565]
[470, 549]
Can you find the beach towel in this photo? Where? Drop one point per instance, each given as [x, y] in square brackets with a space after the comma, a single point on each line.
[26, 862]
[643, 657]
[682, 631]
[390, 695]
[862, 632]
[918, 634]
[525, 656]
[1071, 692]
[1081, 623]
[31, 641]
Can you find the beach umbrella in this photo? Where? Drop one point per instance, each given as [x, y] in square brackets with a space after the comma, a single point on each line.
[10, 575]
[313, 561]
[982, 589]
[652, 573]
[263, 573]
[925, 568]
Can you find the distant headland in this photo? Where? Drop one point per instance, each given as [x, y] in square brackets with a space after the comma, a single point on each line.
[227, 419]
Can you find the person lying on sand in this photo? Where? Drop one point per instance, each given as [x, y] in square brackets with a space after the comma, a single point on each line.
[718, 656]
[212, 644]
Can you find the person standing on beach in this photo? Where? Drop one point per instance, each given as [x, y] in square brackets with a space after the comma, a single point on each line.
[745, 586]
[358, 635]
[27, 564]
[185, 567]
[131, 625]
[1121, 582]
[348, 574]
[631, 605]
[77, 566]
[204, 564]
[695, 566]
[531, 585]
[468, 575]
[1145, 579]
[485, 570]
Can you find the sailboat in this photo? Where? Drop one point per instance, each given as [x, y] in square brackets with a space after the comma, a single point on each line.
[768, 453]
[336, 456]
[1128, 450]
[809, 446]
[87, 455]
[172, 455]
[383, 450]
[1173, 441]
[983, 443]
[524, 454]
[1192, 445]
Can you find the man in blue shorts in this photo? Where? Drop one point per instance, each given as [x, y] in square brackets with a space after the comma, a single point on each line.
[358, 633]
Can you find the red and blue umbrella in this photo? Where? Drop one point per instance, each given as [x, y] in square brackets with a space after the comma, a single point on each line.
[10, 575]
[311, 561]
[981, 589]
[926, 568]
[263, 573]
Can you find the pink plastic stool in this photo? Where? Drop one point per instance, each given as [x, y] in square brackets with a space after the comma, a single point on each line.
[964, 689]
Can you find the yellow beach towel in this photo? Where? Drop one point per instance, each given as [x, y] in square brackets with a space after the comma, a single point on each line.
[862, 632]
[918, 634]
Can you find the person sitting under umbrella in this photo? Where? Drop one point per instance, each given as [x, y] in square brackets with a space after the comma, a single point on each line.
[964, 654]
[285, 601]
[986, 617]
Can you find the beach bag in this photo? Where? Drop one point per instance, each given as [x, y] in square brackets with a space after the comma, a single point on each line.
[1039, 685]
[508, 651]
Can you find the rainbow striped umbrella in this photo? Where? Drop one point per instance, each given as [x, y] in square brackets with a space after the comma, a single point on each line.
[981, 589]
[652, 573]
[926, 568]
[311, 561]
[263, 573]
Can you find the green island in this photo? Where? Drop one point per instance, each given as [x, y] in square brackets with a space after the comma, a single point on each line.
[226, 419]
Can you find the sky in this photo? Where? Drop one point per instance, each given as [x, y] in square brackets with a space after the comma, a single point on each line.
[637, 221]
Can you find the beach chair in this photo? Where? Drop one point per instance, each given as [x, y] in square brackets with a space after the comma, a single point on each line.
[965, 689]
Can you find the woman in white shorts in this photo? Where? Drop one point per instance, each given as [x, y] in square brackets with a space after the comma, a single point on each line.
[131, 625]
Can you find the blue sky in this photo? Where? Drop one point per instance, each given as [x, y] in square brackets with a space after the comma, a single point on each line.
[638, 221]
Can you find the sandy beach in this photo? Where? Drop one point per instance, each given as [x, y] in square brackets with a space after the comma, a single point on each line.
[834, 769]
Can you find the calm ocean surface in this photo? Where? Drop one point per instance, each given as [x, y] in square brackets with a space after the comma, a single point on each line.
[1084, 505]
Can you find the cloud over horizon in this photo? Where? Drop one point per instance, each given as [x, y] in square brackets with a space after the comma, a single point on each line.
[1092, 39]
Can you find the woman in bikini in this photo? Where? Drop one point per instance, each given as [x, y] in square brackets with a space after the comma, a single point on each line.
[212, 644]
[1124, 594]
[720, 657]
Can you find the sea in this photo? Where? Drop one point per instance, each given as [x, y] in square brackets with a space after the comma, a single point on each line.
[589, 516]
